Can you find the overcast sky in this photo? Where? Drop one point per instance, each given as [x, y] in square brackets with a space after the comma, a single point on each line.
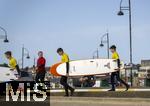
[75, 25]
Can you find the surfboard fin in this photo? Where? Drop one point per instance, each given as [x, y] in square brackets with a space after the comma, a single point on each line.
[107, 65]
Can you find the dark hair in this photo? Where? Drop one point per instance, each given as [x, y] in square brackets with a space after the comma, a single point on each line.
[60, 50]
[40, 52]
[8, 53]
[113, 47]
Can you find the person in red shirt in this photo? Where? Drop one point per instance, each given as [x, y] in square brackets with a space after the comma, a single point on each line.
[40, 69]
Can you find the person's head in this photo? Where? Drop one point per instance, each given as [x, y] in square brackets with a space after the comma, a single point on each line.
[40, 54]
[60, 51]
[113, 48]
[8, 54]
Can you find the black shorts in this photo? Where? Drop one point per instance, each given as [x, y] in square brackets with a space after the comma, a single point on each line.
[40, 76]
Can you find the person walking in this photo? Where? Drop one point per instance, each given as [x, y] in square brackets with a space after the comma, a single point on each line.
[14, 67]
[63, 79]
[116, 75]
[40, 70]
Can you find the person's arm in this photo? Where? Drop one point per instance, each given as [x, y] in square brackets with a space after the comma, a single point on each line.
[18, 69]
[67, 67]
[118, 63]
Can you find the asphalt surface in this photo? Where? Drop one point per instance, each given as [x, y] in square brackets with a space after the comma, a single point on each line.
[94, 101]
[80, 101]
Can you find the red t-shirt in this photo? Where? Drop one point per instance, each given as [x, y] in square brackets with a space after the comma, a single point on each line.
[41, 64]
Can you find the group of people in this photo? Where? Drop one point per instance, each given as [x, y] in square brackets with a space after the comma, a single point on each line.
[40, 69]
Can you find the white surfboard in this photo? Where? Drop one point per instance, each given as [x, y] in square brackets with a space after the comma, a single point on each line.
[85, 67]
[7, 75]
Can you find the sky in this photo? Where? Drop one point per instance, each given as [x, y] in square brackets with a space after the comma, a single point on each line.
[74, 25]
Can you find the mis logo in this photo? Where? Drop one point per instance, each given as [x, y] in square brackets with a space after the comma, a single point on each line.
[26, 92]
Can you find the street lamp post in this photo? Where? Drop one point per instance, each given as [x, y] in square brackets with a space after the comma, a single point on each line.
[4, 36]
[105, 41]
[34, 62]
[120, 13]
[24, 54]
[97, 54]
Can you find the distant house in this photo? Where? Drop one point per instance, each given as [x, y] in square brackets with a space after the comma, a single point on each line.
[144, 73]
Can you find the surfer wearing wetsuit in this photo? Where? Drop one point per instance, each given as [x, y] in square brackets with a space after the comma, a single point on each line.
[12, 62]
[14, 67]
[116, 74]
[63, 79]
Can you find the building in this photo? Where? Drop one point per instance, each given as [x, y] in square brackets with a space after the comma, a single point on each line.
[144, 73]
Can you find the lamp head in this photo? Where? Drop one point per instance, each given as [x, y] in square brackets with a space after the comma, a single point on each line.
[28, 57]
[120, 13]
[6, 40]
[101, 45]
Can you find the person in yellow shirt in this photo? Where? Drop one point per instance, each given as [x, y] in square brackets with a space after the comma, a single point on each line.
[116, 75]
[12, 61]
[63, 79]
[14, 67]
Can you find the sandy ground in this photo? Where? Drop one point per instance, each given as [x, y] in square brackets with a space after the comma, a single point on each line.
[85, 101]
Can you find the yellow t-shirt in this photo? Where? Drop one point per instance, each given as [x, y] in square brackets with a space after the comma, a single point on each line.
[12, 63]
[65, 58]
[115, 55]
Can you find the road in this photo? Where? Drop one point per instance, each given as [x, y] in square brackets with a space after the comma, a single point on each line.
[94, 101]
[81, 101]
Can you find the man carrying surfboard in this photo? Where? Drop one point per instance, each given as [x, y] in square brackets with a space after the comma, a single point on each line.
[14, 67]
[116, 74]
[63, 79]
[12, 62]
